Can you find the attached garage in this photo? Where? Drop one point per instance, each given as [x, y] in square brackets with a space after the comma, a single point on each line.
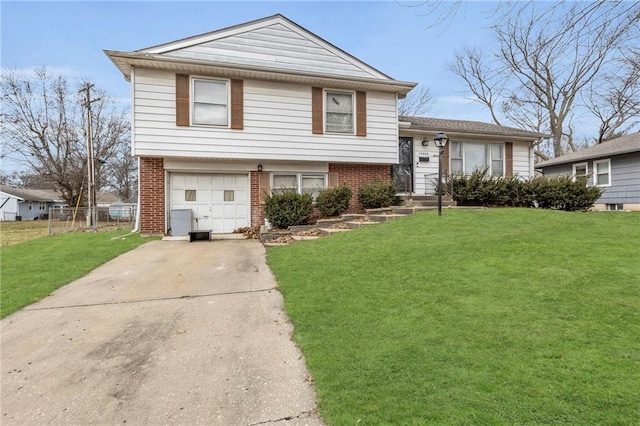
[218, 202]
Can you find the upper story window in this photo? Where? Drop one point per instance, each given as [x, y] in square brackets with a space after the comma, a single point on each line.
[210, 102]
[580, 170]
[602, 172]
[467, 157]
[339, 109]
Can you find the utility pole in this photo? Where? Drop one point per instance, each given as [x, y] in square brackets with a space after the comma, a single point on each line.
[92, 216]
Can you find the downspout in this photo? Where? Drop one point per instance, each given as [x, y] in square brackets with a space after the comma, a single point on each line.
[136, 226]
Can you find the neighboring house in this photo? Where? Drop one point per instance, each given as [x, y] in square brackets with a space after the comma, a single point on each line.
[220, 119]
[504, 151]
[27, 204]
[613, 165]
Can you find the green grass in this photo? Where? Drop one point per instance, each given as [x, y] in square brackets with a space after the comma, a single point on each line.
[483, 317]
[31, 270]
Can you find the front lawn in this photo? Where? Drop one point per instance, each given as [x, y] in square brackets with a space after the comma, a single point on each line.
[33, 269]
[499, 316]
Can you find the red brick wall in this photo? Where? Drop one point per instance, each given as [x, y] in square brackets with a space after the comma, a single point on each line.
[152, 197]
[257, 212]
[356, 175]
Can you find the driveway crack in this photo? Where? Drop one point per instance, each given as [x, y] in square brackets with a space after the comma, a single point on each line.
[302, 415]
[157, 299]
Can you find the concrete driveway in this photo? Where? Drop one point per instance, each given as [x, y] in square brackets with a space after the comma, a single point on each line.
[170, 333]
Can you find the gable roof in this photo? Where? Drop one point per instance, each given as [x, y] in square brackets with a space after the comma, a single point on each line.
[271, 48]
[32, 194]
[622, 145]
[465, 127]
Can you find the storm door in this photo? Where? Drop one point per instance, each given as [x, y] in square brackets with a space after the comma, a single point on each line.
[402, 173]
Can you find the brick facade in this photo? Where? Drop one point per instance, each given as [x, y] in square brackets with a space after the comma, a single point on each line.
[257, 211]
[357, 175]
[152, 197]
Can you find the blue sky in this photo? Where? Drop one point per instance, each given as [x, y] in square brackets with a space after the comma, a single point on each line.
[69, 37]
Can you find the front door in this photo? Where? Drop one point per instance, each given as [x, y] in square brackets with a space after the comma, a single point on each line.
[402, 173]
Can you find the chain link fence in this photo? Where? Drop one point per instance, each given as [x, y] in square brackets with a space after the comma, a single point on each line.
[69, 219]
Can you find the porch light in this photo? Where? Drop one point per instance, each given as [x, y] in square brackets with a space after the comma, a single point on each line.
[441, 141]
[259, 167]
[425, 142]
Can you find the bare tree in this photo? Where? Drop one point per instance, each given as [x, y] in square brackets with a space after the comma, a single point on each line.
[416, 103]
[43, 124]
[615, 99]
[548, 55]
[122, 175]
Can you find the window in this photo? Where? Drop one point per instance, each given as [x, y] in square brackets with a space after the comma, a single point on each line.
[284, 183]
[602, 171]
[42, 206]
[615, 207]
[298, 182]
[229, 195]
[339, 112]
[467, 157]
[210, 102]
[580, 170]
[30, 205]
[190, 195]
[312, 184]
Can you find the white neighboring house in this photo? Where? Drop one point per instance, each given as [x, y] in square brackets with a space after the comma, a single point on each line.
[27, 204]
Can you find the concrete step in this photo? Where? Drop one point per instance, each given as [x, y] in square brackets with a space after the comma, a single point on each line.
[305, 237]
[353, 216]
[329, 231]
[358, 224]
[327, 222]
[385, 217]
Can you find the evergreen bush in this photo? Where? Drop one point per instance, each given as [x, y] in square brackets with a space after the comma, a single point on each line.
[377, 194]
[288, 209]
[334, 201]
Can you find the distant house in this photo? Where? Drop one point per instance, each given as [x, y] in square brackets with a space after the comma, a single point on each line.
[27, 204]
[613, 165]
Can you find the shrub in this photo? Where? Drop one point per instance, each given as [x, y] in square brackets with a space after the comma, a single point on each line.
[334, 201]
[378, 194]
[288, 209]
[559, 193]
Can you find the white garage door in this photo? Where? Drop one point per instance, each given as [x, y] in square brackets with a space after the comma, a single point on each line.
[218, 202]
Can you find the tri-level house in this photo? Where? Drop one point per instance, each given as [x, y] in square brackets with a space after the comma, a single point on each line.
[221, 118]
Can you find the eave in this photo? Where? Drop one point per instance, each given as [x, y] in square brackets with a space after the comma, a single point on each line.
[125, 61]
[457, 133]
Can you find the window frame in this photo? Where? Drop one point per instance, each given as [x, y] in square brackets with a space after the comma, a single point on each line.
[42, 206]
[488, 157]
[574, 166]
[192, 101]
[325, 111]
[299, 178]
[595, 172]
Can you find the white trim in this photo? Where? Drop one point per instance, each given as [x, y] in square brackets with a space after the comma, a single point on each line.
[575, 166]
[353, 110]
[192, 97]
[595, 172]
[299, 176]
[489, 158]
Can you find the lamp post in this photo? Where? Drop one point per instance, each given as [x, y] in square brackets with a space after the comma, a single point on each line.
[441, 141]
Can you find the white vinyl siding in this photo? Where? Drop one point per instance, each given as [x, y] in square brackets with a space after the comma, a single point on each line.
[277, 126]
[275, 46]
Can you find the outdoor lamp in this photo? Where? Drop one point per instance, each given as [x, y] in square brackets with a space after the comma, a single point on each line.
[441, 141]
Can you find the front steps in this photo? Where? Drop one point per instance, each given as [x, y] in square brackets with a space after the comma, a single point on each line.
[408, 205]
